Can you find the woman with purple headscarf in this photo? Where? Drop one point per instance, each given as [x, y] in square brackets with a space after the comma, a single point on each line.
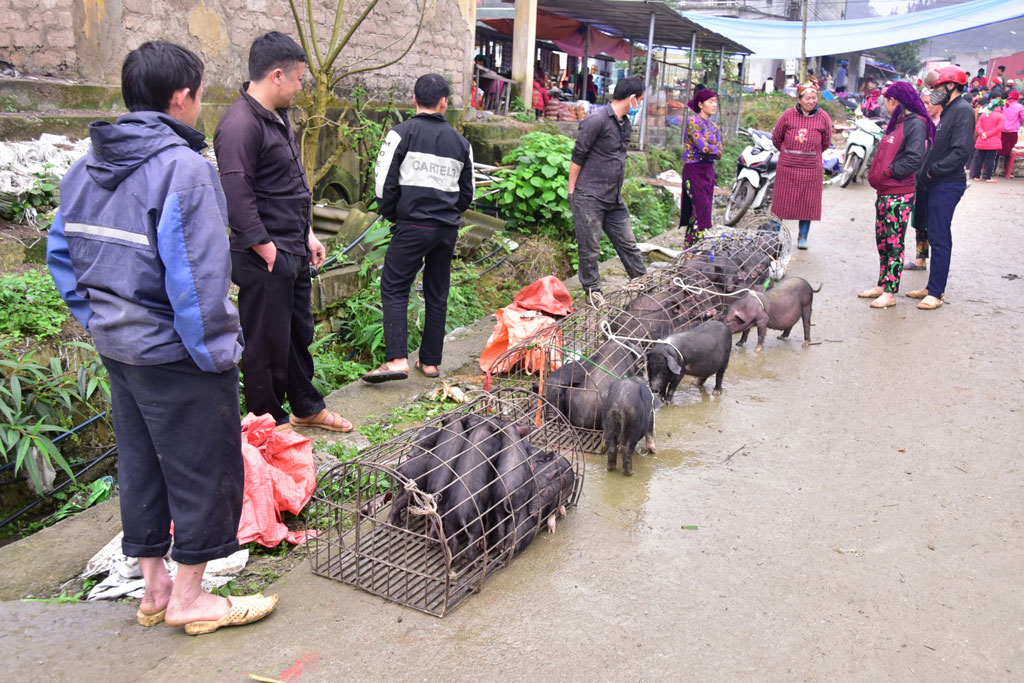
[893, 174]
[703, 145]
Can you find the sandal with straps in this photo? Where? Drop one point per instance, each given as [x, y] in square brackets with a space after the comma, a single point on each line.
[325, 419]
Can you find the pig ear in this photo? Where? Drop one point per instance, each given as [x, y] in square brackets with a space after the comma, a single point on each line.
[673, 363]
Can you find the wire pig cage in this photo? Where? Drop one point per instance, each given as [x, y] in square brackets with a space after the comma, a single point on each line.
[424, 518]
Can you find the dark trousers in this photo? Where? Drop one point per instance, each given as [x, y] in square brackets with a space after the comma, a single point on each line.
[179, 457]
[983, 163]
[920, 220]
[277, 323]
[942, 201]
[411, 247]
[590, 217]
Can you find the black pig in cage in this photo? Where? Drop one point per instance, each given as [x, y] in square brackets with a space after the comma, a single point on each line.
[574, 362]
[736, 260]
[424, 518]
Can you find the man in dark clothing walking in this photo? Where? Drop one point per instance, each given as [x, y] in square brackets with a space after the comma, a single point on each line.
[138, 251]
[424, 183]
[942, 180]
[272, 245]
[596, 173]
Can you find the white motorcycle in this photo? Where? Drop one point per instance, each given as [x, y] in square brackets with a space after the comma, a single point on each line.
[755, 176]
[860, 149]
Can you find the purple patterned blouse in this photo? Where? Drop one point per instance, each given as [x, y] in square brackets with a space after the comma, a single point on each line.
[703, 140]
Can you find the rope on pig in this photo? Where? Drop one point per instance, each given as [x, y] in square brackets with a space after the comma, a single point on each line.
[576, 355]
[615, 338]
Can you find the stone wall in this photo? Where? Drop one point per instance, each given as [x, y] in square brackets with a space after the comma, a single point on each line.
[87, 39]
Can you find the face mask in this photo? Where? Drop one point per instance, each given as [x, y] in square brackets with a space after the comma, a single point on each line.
[939, 97]
[633, 111]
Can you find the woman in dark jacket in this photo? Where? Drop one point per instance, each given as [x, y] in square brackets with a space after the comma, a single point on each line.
[897, 160]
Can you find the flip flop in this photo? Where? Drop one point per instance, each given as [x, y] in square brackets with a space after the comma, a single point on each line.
[435, 373]
[150, 619]
[930, 303]
[242, 609]
[869, 294]
[379, 376]
[913, 266]
[337, 422]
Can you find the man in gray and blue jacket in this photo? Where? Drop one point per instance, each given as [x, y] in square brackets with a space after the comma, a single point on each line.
[139, 251]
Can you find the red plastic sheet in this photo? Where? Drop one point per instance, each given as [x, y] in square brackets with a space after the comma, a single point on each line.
[279, 476]
[547, 295]
[535, 308]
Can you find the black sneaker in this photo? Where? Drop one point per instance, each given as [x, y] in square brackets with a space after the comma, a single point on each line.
[594, 297]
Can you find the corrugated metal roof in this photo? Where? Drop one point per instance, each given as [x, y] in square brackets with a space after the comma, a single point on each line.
[631, 19]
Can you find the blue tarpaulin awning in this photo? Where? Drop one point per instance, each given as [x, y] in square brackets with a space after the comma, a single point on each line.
[781, 39]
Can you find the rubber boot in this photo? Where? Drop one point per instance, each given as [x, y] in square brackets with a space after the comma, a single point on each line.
[801, 242]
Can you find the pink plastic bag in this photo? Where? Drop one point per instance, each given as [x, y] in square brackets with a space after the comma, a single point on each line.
[279, 475]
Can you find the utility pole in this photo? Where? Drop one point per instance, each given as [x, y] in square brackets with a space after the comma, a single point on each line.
[803, 48]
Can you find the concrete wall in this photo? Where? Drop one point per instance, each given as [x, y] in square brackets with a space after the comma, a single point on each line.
[87, 39]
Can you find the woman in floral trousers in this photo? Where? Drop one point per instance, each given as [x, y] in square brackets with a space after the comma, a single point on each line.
[892, 174]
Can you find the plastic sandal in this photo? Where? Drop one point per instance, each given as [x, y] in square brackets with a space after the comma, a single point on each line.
[241, 610]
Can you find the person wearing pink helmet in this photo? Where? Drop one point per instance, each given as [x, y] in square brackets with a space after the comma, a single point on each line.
[943, 180]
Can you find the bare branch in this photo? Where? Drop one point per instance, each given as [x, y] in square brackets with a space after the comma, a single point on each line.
[319, 174]
[338, 14]
[312, 33]
[336, 49]
[302, 34]
[348, 71]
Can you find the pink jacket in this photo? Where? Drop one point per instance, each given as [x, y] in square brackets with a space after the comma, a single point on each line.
[1013, 116]
[989, 130]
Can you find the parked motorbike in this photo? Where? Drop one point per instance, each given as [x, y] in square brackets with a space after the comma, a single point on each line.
[860, 149]
[755, 176]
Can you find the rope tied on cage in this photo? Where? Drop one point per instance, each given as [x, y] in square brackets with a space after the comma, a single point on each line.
[428, 502]
[615, 338]
[677, 281]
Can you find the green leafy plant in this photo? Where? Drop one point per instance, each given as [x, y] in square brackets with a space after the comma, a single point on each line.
[31, 305]
[534, 194]
[43, 197]
[330, 369]
[391, 424]
[38, 399]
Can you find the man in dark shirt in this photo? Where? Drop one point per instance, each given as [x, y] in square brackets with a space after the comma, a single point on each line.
[424, 183]
[595, 185]
[272, 245]
[942, 181]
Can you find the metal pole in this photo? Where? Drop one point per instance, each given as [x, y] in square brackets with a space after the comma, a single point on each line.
[721, 72]
[803, 48]
[584, 69]
[629, 64]
[664, 64]
[739, 105]
[689, 77]
[647, 81]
